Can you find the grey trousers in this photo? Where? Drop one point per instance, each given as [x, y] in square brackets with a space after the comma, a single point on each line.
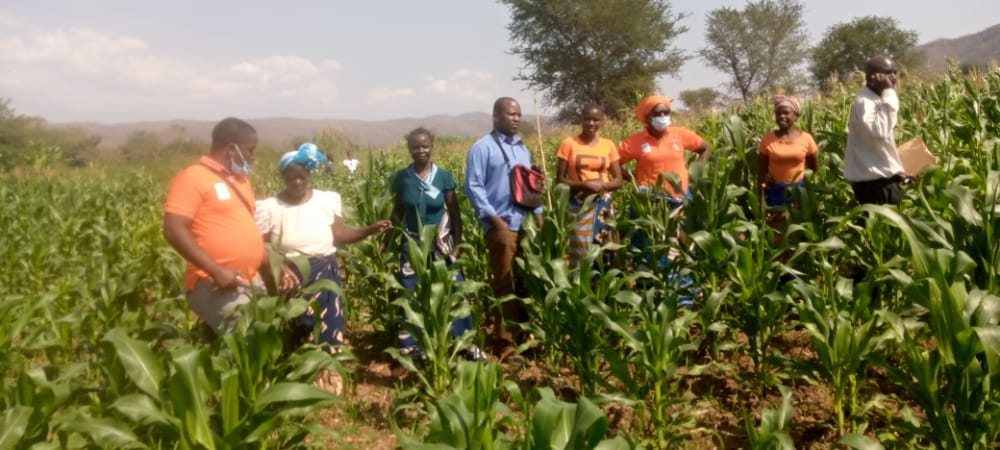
[219, 308]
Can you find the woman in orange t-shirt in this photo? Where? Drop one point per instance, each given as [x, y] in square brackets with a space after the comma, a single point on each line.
[588, 164]
[784, 154]
[659, 149]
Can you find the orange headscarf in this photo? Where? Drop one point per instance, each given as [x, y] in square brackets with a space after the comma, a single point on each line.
[647, 104]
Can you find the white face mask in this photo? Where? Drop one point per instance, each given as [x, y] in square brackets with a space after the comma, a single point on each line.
[240, 170]
[660, 122]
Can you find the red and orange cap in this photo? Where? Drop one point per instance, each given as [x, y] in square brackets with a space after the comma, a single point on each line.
[647, 104]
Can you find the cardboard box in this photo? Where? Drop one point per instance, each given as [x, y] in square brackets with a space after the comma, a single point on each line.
[915, 156]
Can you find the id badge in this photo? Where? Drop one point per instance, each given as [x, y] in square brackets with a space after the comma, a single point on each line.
[645, 148]
[221, 191]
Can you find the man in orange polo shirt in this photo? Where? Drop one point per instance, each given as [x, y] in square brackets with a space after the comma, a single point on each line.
[208, 219]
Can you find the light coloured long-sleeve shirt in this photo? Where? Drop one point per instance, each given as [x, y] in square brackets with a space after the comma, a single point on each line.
[871, 142]
[487, 179]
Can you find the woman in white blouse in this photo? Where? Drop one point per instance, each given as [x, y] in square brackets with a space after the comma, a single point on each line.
[301, 221]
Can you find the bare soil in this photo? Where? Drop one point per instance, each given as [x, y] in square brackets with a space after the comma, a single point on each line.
[723, 397]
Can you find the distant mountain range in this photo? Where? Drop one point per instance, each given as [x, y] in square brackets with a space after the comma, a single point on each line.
[977, 49]
[285, 130]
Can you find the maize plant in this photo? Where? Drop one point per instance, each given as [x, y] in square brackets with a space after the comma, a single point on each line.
[249, 393]
[657, 343]
[561, 300]
[953, 381]
[472, 416]
[429, 312]
[772, 434]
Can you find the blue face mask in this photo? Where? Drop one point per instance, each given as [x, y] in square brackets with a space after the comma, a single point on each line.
[660, 122]
[240, 170]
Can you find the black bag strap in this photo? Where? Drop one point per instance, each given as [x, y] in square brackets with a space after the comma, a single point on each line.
[231, 185]
[494, 134]
[496, 139]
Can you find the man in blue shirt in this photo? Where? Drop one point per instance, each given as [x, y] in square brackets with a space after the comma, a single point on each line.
[487, 184]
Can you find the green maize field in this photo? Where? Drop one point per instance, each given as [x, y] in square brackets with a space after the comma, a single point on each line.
[887, 337]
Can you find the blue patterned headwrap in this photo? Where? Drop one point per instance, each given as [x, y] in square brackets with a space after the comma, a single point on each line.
[308, 156]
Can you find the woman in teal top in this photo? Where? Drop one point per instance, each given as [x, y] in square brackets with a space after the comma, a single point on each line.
[424, 194]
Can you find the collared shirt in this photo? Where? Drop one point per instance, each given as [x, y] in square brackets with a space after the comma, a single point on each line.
[871, 142]
[487, 179]
[222, 225]
[420, 206]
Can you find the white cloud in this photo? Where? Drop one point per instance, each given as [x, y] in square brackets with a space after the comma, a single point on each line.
[10, 21]
[78, 67]
[468, 84]
[382, 93]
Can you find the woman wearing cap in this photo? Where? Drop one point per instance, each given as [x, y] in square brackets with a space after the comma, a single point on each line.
[659, 149]
[659, 154]
[301, 221]
[783, 156]
[659, 157]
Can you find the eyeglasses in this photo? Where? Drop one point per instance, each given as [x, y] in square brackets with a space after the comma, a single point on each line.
[659, 113]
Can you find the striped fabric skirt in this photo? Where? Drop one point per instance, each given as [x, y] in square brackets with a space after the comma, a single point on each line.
[589, 225]
[331, 305]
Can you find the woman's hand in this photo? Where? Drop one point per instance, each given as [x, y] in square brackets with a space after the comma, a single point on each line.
[593, 187]
[289, 280]
[378, 227]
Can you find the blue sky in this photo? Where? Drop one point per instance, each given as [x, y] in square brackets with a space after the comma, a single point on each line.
[128, 60]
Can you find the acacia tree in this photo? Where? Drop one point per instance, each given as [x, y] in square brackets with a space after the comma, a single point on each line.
[13, 135]
[846, 46]
[141, 144]
[30, 141]
[603, 51]
[699, 100]
[760, 46]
